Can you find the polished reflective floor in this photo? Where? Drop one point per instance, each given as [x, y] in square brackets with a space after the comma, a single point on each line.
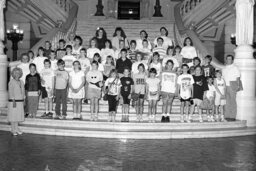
[39, 153]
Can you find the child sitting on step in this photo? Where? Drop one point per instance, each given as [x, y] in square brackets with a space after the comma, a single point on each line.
[126, 90]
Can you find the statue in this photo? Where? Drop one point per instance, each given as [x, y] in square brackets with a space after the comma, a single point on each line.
[244, 22]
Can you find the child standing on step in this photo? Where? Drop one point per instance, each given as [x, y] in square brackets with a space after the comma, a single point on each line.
[16, 99]
[168, 89]
[94, 79]
[152, 91]
[185, 83]
[33, 90]
[47, 80]
[126, 90]
[210, 95]
[220, 99]
[139, 80]
[60, 87]
[76, 89]
[112, 89]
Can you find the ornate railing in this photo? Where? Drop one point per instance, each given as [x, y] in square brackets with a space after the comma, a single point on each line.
[188, 5]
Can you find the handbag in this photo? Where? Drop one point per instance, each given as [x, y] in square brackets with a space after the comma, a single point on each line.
[105, 97]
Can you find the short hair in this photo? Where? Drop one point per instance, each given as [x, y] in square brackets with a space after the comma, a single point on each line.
[69, 46]
[62, 41]
[184, 65]
[153, 70]
[60, 62]
[113, 71]
[187, 38]
[198, 67]
[32, 65]
[123, 50]
[146, 34]
[83, 49]
[133, 41]
[156, 54]
[144, 40]
[171, 61]
[47, 60]
[139, 53]
[78, 64]
[218, 71]
[41, 48]
[52, 51]
[80, 39]
[95, 62]
[197, 58]
[166, 34]
[208, 57]
[24, 54]
[127, 68]
[230, 56]
[141, 65]
[160, 38]
[17, 69]
[167, 51]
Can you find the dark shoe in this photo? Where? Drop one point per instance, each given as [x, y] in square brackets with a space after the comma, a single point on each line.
[167, 119]
[85, 101]
[26, 115]
[44, 115]
[49, 114]
[163, 119]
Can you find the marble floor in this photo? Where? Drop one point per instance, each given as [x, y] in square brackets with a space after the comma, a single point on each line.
[49, 153]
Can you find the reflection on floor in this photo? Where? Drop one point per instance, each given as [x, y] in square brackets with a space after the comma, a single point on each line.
[37, 153]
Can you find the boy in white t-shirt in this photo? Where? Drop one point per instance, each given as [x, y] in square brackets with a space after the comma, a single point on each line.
[69, 59]
[185, 89]
[47, 81]
[53, 60]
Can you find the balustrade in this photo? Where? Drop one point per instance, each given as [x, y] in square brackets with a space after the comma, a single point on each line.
[188, 5]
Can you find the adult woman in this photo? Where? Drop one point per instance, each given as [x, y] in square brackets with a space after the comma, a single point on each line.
[143, 36]
[188, 52]
[117, 36]
[101, 37]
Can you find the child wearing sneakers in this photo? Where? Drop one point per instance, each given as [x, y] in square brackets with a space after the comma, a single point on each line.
[60, 87]
[199, 92]
[152, 92]
[126, 90]
[220, 100]
[185, 83]
[210, 95]
[47, 80]
[168, 89]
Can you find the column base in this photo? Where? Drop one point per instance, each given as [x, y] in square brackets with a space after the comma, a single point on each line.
[3, 99]
[3, 81]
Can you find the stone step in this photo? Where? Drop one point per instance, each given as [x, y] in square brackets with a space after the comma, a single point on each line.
[124, 131]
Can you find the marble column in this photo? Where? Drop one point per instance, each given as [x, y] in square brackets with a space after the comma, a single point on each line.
[246, 99]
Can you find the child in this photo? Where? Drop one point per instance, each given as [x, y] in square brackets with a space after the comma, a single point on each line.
[61, 51]
[92, 49]
[77, 46]
[94, 78]
[31, 56]
[169, 56]
[132, 51]
[47, 49]
[139, 80]
[33, 87]
[16, 99]
[208, 68]
[126, 90]
[84, 61]
[160, 48]
[76, 89]
[210, 97]
[123, 62]
[53, 61]
[139, 61]
[47, 80]
[188, 52]
[145, 50]
[152, 91]
[220, 100]
[97, 58]
[69, 59]
[107, 51]
[155, 63]
[199, 92]
[168, 89]
[178, 57]
[112, 89]
[108, 67]
[185, 83]
[196, 63]
[24, 66]
[60, 87]
[118, 51]
[39, 60]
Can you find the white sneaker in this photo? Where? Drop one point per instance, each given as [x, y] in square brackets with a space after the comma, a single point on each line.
[188, 119]
[222, 119]
[200, 119]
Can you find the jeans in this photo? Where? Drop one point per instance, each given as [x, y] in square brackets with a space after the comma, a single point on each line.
[61, 98]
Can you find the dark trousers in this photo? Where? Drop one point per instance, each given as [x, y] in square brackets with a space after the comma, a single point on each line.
[61, 98]
[112, 103]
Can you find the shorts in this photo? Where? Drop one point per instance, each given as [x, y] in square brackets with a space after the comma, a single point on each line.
[46, 94]
[93, 93]
[185, 100]
[141, 96]
[167, 96]
[153, 96]
[126, 100]
[197, 102]
[219, 101]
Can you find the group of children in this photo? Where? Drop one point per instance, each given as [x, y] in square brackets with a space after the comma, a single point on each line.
[73, 72]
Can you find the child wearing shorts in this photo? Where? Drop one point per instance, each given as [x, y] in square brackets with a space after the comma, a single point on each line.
[126, 90]
[220, 100]
[168, 90]
[185, 83]
[210, 96]
[152, 91]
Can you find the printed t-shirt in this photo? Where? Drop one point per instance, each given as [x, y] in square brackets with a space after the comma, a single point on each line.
[69, 59]
[153, 84]
[168, 82]
[47, 75]
[139, 83]
[126, 82]
[94, 77]
[113, 85]
[185, 81]
[200, 85]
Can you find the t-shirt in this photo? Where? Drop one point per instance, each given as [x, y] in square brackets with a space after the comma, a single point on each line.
[61, 79]
[153, 84]
[94, 77]
[140, 46]
[106, 52]
[188, 52]
[85, 64]
[91, 52]
[210, 91]
[167, 41]
[136, 64]
[76, 52]
[185, 81]
[121, 64]
[60, 53]
[113, 85]
[146, 53]
[76, 78]
[168, 82]
[175, 61]
[200, 85]
[230, 73]
[221, 85]
[69, 59]
[132, 55]
[139, 83]
[54, 65]
[209, 70]
[47, 75]
[25, 70]
[161, 50]
[157, 66]
[126, 82]
[39, 62]
[107, 69]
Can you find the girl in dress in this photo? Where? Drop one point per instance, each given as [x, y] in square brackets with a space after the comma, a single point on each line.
[108, 67]
[188, 52]
[152, 91]
[94, 79]
[76, 88]
[16, 100]
[155, 63]
[107, 51]
[112, 88]
[92, 49]
[139, 80]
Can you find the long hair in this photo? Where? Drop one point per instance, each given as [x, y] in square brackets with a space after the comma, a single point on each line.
[188, 38]
[112, 60]
[104, 36]
[122, 32]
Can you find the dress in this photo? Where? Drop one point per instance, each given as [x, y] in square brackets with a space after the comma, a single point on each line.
[17, 92]
[153, 84]
[77, 80]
